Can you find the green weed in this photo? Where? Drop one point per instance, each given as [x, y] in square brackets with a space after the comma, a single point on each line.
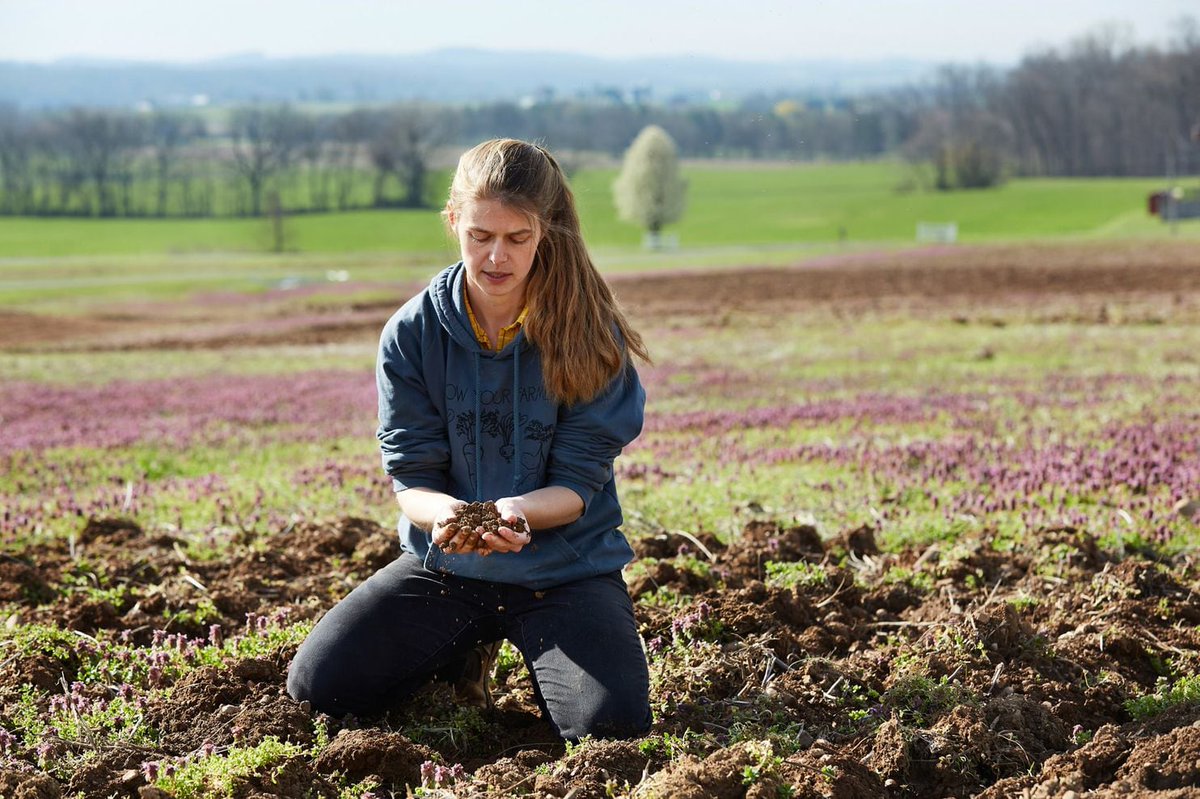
[668, 746]
[1024, 602]
[1167, 694]
[917, 699]
[217, 775]
[795, 575]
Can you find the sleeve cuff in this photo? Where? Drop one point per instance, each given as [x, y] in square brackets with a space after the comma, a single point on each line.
[585, 495]
[414, 481]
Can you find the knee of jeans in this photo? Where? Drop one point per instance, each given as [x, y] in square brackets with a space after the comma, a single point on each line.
[307, 682]
[608, 719]
[299, 681]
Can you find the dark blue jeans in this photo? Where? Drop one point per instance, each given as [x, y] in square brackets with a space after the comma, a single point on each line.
[405, 624]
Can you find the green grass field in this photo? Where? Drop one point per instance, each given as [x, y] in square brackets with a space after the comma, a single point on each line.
[743, 205]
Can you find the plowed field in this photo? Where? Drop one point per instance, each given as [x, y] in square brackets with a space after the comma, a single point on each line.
[787, 658]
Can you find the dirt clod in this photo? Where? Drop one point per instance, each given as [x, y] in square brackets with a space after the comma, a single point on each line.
[476, 519]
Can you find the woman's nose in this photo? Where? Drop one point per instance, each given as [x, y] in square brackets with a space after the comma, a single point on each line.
[499, 254]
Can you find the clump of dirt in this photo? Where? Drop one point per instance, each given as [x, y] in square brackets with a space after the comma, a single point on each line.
[110, 773]
[21, 782]
[387, 757]
[598, 769]
[721, 775]
[473, 520]
[293, 778]
[1169, 761]
[23, 583]
[225, 706]
[760, 543]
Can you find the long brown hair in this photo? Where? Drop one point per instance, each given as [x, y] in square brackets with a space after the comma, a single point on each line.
[574, 320]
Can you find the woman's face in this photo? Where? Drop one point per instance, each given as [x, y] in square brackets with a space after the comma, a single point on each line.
[498, 244]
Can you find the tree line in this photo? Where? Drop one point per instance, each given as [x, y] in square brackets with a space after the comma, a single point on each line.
[1097, 107]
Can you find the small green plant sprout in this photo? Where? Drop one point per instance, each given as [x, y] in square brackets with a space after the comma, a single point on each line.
[204, 614]
[697, 566]
[1058, 560]
[670, 746]
[765, 764]
[830, 772]
[797, 574]
[899, 575]
[1023, 602]
[1080, 736]
[662, 597]
[1184, 691]
[364, 789]
[958, 641]
[508, 660]
[571, 747]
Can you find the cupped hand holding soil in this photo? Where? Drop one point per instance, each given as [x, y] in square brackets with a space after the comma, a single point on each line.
[474, 525]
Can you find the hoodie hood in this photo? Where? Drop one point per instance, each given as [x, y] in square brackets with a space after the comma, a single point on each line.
[448, 290]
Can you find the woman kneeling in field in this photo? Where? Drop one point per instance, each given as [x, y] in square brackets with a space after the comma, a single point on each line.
[508, 379]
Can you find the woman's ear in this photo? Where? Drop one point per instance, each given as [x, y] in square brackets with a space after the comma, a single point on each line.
[451, 216]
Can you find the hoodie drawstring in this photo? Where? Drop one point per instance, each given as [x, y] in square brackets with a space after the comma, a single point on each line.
[478, 434]
[516, 416]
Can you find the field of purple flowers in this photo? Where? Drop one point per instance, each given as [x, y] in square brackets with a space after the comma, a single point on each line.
[907, 525]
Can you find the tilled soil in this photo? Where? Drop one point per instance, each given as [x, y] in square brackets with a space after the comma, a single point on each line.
[974, 668]
[976, 674]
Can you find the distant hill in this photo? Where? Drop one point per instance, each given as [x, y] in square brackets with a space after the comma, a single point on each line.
[452, 76]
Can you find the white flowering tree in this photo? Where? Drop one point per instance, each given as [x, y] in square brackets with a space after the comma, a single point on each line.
[649, 191]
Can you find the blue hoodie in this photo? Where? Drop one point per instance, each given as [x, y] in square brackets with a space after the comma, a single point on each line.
[479, 425]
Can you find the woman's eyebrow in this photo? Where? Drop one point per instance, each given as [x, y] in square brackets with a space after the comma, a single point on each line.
[521, 232]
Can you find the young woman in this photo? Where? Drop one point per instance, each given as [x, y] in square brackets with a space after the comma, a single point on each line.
[510, 379]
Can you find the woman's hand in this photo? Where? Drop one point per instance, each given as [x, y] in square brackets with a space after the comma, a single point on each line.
[506, 539]
[447, 534]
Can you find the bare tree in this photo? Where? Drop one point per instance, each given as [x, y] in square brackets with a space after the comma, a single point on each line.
[402, 141]
[351, 132]
[16, 156]
[316, 151]
[264, 141]
[168, 132]
[959, 134]
[101, 143]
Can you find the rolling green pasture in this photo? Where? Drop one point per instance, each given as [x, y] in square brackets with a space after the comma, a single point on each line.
[728, 205]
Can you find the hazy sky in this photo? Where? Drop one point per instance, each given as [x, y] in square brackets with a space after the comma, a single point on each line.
[758, 30]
